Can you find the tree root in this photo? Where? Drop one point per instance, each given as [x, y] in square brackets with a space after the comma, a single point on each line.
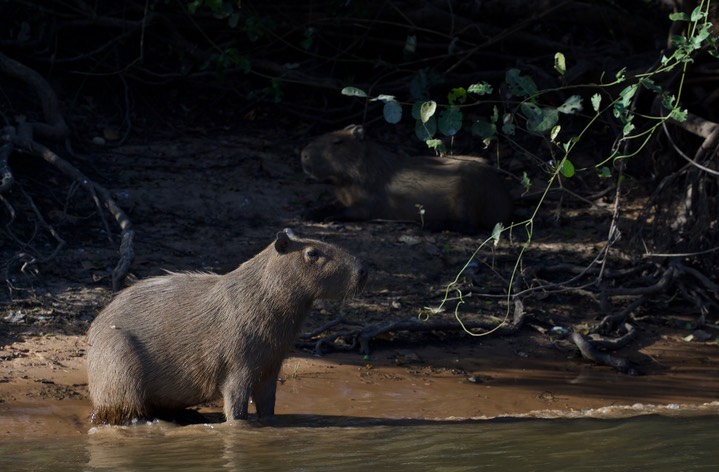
[361, 336]
[590, 350]
[22, 138]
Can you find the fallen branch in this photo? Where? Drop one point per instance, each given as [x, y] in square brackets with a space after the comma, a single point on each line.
[590, 352]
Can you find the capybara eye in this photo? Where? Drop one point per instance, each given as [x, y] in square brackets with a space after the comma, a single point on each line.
[312, 253]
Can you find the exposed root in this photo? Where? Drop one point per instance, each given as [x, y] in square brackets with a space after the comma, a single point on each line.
[22, 138]
[590, 350]
[361, 336]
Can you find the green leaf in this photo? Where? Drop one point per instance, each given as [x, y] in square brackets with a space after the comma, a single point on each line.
[495, 114]
[572, 105]
[560, 64]
[539, 120]
[679, 115]
[605, 173]
[382, 98]
[520, 85]
[555, 131]
[193, 6]
[480, 88]
[531, 111]
[627, 94]
[392, 111]
[596, 101]
[457, 96]
[435, 144]
[678, 40]
[425, 131]
[701, 35]
[649, 84]
[485, 130]
[450, 121]
[628, 128]
[410, 44]
[497, 232]
[415, 110]
[668, 101]
[697, 14]
[567, 168]
[525, 182]
[427, 110]
[234, 20]
[354, 92]
[681, 16]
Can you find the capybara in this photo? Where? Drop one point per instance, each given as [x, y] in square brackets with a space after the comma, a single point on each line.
[177, 340]
[457, 193]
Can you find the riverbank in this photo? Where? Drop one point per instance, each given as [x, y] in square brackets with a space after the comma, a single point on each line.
[43, 384]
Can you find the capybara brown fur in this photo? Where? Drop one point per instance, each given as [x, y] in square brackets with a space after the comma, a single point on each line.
[178, 340]
[458, 193]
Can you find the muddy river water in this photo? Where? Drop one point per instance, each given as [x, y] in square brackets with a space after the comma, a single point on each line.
[654, 442]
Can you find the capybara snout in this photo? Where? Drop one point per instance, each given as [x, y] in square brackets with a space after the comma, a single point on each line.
[171, 342]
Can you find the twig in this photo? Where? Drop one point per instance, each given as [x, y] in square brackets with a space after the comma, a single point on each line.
[47, 226]
[6, 149]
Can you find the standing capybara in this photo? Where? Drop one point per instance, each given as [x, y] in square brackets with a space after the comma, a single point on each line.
[174, 341]
[457, 193]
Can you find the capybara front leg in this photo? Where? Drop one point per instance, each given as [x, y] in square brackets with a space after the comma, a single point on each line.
[236, 399]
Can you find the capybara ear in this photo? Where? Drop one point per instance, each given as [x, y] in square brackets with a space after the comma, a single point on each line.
[358, 132]
[283, 240]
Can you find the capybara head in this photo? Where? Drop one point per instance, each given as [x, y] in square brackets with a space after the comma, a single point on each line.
[335, 157]
[315, 269]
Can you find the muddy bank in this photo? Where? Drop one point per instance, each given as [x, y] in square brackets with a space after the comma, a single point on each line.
[43, 390]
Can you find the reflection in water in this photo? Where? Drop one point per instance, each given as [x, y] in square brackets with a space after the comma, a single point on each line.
[300, 443]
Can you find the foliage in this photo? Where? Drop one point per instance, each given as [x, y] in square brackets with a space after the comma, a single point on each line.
[529, 109]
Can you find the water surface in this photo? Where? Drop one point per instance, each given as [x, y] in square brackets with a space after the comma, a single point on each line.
[314, 443]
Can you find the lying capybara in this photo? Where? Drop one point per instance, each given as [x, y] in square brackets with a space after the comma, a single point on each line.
[174, 341]
[456, 193]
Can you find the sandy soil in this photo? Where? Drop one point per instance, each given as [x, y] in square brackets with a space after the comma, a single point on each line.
[208, 204]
